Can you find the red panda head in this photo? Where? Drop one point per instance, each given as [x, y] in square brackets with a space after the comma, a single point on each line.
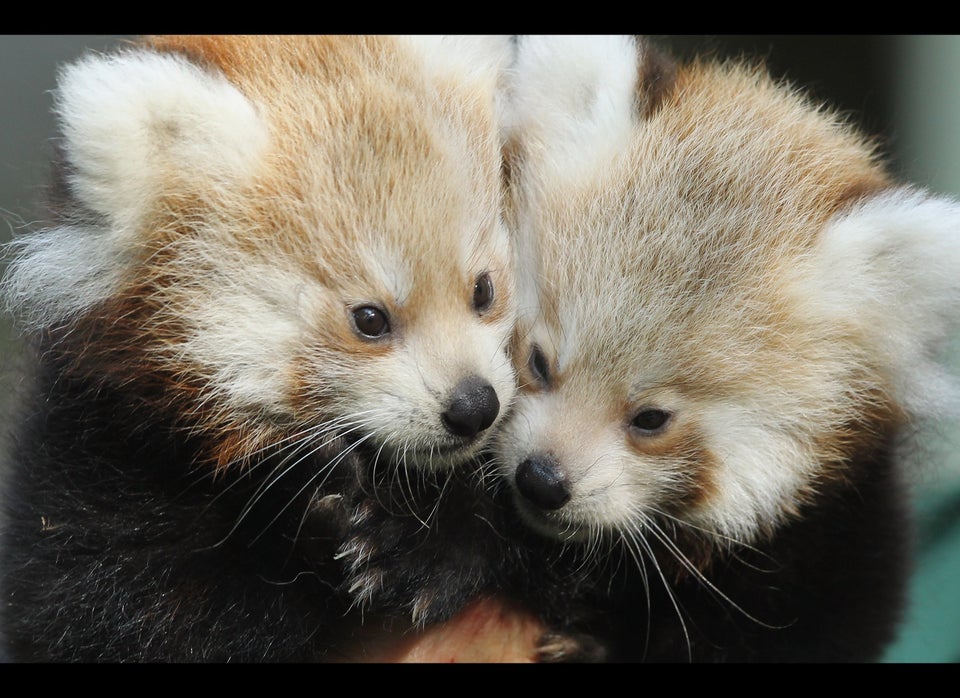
[298, 238]
[725, 298]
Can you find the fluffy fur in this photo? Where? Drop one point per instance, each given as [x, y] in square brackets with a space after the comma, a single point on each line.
[730, 324]
[733, 318]
[728, 320]
[278, 274]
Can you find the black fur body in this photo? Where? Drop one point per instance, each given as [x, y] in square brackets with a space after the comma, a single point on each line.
[829, 587]
[116, 549]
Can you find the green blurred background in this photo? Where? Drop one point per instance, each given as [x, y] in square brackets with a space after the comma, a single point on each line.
[904, 89]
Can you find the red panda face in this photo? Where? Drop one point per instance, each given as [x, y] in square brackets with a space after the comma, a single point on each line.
[713, 308]
[299, 237]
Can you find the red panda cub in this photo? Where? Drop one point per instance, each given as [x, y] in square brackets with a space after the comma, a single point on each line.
[278, 272]
[729, 321]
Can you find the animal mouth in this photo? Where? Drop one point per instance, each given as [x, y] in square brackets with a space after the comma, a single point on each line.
[445, 450]
[444, 453]
[548, 523]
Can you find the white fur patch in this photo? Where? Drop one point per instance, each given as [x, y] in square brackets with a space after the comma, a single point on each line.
[393, 270]
[132, 124]
[58, 273]
[892, 267]
[468, 58]
[133, 120]
[572, 97]
[760, 470]
[246, 334]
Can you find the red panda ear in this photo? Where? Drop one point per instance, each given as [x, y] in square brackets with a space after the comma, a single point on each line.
[571, 100]
[890, 268]
[135, 125]
[135, 121]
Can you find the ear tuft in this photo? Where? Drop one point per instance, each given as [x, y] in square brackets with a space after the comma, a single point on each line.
[891, 266]
[573, 98]
[135, 121]
[136, 125]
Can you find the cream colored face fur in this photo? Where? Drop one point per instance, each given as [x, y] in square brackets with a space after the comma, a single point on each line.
[719, 299]
[254, 194]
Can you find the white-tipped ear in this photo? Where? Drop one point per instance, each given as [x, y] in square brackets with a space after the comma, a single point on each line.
[134, 125]
[892, 266]
[133, 121]
[572, 98]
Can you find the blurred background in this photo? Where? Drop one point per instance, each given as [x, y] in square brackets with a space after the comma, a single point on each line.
[902, 89]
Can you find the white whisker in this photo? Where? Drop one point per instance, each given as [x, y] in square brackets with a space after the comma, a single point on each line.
[295, 444]
[635, 544]
[695, 571]
[326, 470]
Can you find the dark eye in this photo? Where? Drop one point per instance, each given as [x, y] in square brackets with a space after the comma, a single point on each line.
[539, 366]
[650, 420]
[482, 292]
[370, 321]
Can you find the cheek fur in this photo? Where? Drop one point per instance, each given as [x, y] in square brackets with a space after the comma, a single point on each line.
[680, 465]
[760, 475]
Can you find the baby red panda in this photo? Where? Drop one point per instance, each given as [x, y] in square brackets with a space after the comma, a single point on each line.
[277, 273]
[730, 319]
[729, 324]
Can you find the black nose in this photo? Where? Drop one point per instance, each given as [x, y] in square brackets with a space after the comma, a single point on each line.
[538, 478]
[473, 407]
